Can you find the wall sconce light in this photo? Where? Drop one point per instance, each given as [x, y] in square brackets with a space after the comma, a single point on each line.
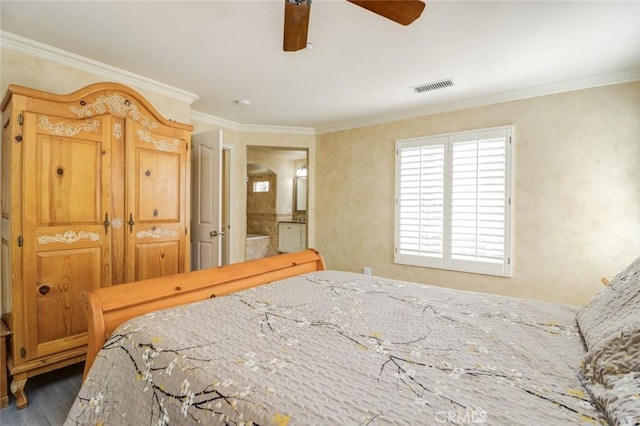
[301, 171]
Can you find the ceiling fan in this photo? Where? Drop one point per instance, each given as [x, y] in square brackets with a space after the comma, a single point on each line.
[296, 17]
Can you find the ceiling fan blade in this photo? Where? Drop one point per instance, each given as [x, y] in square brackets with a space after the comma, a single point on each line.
[401, 11]
[296, 24]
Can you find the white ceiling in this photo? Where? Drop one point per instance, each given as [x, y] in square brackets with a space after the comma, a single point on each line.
[362, 66]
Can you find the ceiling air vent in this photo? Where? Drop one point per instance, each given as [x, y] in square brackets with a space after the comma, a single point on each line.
[427, 87]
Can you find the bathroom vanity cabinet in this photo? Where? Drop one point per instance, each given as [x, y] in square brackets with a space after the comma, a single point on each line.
[292, 236]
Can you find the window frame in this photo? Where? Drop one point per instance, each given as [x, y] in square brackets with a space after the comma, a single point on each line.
[445, 260]
[261, 186]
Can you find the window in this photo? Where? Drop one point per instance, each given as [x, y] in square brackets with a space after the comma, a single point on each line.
[453, 202]
[261, 186]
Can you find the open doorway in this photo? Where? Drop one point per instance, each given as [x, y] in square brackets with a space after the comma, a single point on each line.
[276, 201]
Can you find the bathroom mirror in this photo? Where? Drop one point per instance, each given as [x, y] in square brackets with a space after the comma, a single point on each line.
[300, 194]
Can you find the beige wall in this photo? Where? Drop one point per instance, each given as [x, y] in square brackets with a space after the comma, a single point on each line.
[577, 182]
[261, 215]
[576, 193]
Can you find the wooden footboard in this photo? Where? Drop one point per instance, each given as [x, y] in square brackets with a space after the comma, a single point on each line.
[108, 307]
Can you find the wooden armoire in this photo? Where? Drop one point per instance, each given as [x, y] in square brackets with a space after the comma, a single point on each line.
[95, 192]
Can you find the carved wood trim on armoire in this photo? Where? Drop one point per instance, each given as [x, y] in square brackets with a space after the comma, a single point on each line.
[95, 192]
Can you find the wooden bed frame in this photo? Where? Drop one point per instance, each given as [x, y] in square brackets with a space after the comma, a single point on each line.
[108, 307]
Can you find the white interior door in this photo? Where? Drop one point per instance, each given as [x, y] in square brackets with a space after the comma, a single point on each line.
[206, 228]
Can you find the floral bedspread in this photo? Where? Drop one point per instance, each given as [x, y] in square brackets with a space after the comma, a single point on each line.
[336, 348]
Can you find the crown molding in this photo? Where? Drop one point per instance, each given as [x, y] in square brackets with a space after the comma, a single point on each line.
[44, 51]
[53, 54]
[34, 48]
[277, 129]
[531, 92]
[216, 121]
[259, 128]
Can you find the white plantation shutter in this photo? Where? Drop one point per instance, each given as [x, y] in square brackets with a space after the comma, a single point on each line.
[453, 202]
[420, 202]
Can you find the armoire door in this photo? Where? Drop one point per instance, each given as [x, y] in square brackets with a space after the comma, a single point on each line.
[156, 202]
[66, 226]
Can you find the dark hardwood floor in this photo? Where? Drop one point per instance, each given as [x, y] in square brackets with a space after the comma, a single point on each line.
[50, 397]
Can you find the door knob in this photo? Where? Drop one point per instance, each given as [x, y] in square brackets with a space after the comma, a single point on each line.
[213, 233]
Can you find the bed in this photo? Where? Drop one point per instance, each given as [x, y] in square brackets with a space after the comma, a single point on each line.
[291, 343]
